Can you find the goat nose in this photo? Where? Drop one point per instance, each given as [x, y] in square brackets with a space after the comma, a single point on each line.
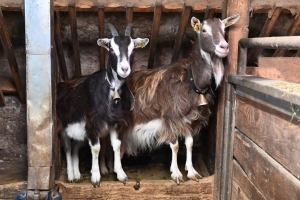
[224, 45]
[124, 69]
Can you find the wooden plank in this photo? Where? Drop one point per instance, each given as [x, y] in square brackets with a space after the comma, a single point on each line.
[291, 32]
[129, 13]
[265, 32]
[75, 42]
[154, 35]
[2, 101]
[59, 48]
[7, 85]
[10, 191]
[39, 178]
[235, 33]
[209, 13]
[11, 58]
[267, 87]
[268, 176]
[101, 17]
[156, 189]
[180, 32]
[264, 126]
[242, 187]
[285, 68]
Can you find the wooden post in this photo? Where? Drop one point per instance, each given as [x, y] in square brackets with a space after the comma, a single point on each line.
[223, 164]
[39, 40]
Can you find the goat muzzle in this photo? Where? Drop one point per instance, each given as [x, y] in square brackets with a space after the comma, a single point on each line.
[202, 100]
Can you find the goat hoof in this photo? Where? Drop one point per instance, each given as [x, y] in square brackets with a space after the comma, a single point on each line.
[198, 177]
[125, 180]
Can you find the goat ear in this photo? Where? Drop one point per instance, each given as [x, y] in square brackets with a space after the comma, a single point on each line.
[140, 42]
[195, 23]
[230, 20]
[103, 42]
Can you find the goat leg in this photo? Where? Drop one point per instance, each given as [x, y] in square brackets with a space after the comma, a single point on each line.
[95, 149]
[116, 144]
[176, 174]
[192, 173]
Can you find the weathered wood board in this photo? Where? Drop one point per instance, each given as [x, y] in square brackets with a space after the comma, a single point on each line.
[155, 189]
[279, 68]
[268, 176]
[242, 187]
[10, 191]
[274, 132]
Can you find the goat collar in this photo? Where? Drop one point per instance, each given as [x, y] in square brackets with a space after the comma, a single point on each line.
[117, 95]
[193, 83]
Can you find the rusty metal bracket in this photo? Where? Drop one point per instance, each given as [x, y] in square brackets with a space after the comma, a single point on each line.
[38, 195]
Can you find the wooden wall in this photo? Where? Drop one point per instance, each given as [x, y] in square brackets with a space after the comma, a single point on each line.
[266, 147]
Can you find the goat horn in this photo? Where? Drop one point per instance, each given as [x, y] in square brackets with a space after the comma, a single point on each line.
[128, 30]
[112, 29]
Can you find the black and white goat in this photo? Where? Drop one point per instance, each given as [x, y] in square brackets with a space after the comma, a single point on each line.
[96, 106]
[173, 101]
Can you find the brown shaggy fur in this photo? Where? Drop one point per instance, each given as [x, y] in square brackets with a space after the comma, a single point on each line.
[165, 93]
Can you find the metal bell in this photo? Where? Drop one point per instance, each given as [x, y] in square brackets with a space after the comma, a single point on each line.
[202, 100]
[116, 96]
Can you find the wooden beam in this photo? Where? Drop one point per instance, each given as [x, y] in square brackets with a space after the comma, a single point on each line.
[154, 35]
[75, 42]
[265, 32]
[11, 58]
[223, 164]
[129, 13]
[156, 189]
[180, 32]
[291, 32]
[101, 19]
[40, 88]
[261, 168]
[59, 48]
[209, 13]
[2, 101]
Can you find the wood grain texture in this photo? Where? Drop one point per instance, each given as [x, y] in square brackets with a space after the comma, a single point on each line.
[10, 191]
[148, 190]
[235, 33]
[272, 131]
[242, 187]
[268, 176]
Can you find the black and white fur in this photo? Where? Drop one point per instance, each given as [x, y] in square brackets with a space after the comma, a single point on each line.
[88, 111]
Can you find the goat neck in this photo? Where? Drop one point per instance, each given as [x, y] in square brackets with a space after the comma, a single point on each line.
[201, 66]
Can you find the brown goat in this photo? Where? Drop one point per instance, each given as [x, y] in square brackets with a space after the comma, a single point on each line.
[173, 101]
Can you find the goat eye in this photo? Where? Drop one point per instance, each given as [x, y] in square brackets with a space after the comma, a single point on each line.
[203, 31]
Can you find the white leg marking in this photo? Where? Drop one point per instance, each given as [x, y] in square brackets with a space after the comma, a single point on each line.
[95, 178]
[68, 151]
[75, 159]
[176, 174]
[116, 144]
[192, 173]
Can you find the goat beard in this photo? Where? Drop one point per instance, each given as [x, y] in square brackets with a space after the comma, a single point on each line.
[218, 71]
